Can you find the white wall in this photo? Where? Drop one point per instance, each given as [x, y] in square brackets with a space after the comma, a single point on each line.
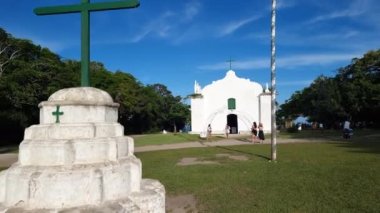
[197, 114]
[265, 109]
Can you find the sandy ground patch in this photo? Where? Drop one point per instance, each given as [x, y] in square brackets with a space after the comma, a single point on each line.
[195, 161]
[181, 204]
[8, 159]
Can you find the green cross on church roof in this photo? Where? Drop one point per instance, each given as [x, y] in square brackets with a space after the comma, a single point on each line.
[84, 8]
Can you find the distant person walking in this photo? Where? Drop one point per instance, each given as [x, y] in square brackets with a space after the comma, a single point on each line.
[321, 127]
[347, 131]
[227, 130]
[346, 125]
[254, 132]
[209, 131]
[261, 133]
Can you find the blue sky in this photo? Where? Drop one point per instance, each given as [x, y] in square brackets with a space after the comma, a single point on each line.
[174, 42]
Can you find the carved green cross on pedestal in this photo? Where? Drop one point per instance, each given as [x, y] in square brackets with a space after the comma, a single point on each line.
[84, 8]
[57, 113]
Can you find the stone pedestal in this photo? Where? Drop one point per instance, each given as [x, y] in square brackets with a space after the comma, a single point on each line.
[78, 160]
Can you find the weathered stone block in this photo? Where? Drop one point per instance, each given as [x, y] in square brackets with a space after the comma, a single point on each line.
[73, 131]
[59, 187]
[75, 151]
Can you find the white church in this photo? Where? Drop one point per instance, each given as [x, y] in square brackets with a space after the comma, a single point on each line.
[232, 101]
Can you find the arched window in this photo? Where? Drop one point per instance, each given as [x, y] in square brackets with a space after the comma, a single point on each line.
[231, 103]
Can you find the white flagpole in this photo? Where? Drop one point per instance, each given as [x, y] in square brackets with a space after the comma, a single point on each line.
[273, 79]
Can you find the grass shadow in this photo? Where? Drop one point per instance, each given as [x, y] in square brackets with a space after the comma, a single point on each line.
[243, 152]
[8, 149]
[360, 146]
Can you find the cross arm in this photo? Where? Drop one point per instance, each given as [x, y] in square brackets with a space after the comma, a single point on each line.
[121, 4]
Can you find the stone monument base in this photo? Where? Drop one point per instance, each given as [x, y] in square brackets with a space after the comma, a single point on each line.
[78, 160]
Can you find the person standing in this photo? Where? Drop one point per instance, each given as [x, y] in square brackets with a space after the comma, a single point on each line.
[346, 125]
[209, 130]
[227, 130]
[261, 133]
[321, 127]
[254, 132]
[347, 131]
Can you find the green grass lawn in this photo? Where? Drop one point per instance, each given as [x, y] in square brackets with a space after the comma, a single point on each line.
[157, 139]
[9, 149]
[316, 177]
[328, 134]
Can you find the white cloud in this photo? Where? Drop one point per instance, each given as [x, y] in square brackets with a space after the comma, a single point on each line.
[314, 59]
[159, 27]
[190, 34]
[336, 14]
[168, 24]
[284, 62]
[354, 9]
[191, 10]
[233, 26]
[282, 4]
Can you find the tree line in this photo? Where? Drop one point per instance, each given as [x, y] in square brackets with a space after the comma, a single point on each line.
[353, 93]
[29, 74]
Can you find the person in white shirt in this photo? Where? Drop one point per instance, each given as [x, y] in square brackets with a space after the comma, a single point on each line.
[227, 130]
[346, 125]
[347, 131]
[209, 130]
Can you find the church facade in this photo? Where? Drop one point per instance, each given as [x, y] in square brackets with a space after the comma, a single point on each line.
[232, 101]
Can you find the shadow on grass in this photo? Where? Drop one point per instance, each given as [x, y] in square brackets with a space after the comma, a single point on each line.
[8, 149]
[184, 137]
[243, 152]
[244, 139]
[361, 145]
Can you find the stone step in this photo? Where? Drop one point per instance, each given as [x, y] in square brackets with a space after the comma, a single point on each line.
[62, 187]
[73, 131]
[66, 152]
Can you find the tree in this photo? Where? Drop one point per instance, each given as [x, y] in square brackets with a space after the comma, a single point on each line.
[354, 92]
[173, 113]
[8, 51]
[360, 87]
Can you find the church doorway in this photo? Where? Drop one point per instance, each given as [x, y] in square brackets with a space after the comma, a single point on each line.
[232, 121]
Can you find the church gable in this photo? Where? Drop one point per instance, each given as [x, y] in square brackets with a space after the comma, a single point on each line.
[231, 84]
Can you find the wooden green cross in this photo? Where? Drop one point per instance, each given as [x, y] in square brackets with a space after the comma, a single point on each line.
[84, 8]
[57, 113]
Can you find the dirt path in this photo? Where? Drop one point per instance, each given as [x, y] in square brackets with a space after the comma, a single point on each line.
[9, 158]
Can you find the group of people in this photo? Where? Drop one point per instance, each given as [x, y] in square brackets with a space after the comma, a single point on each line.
[257, 133]
[209, 130]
